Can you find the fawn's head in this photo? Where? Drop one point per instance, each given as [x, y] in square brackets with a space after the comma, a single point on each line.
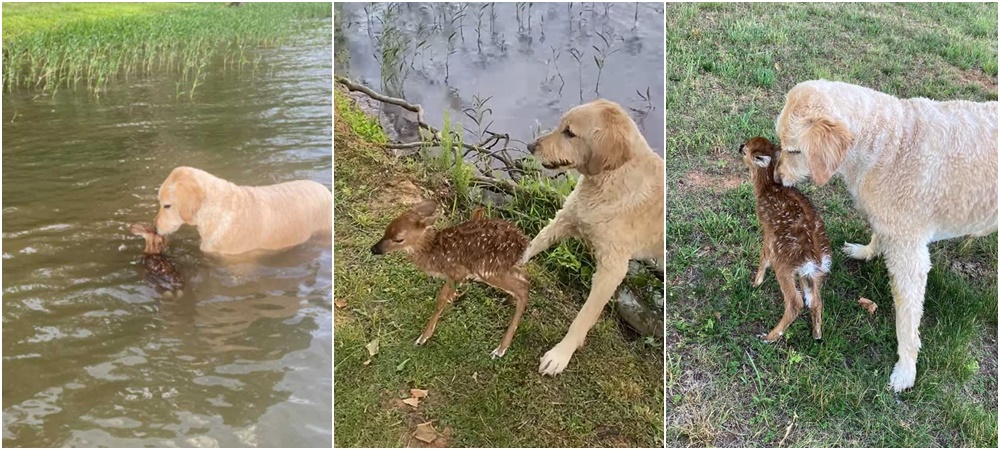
[407, 231]
[760, 156]
[155, 243]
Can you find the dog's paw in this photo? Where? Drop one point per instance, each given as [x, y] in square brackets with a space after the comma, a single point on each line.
[555, 361]
[858, 251]
[497, 353]
[903, 376]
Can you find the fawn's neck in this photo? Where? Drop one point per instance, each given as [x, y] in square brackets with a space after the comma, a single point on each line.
[421, 253]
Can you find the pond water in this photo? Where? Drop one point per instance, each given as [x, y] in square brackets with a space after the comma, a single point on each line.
[533, 61]
[92, 356]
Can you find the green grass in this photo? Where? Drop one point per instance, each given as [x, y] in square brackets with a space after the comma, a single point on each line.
[611, 394]
[64, 45]
[728, 68]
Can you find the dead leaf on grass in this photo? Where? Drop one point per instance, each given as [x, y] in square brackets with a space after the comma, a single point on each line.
[340, 304]
[425, 433]
[868, 305]
[367, 362]
[372, 347]
[414, 402]
[418, 393]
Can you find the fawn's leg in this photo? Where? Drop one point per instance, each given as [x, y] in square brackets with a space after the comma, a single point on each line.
[807, 295]
[765, 262]
[793, 304]
[517, 285]
[445, 296]
[816, 310]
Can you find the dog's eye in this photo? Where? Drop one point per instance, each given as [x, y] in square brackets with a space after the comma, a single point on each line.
[788, 150]
[166, 206]
[569, 133]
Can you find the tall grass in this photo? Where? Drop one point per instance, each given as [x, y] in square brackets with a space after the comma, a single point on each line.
[91, 52]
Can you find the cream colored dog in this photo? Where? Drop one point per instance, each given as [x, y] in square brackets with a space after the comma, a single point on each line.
[617, 206]
[919, 170]
[235, 219]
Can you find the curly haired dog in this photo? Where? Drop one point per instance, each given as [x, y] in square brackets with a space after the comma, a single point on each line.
[617, 206]
[919, 170]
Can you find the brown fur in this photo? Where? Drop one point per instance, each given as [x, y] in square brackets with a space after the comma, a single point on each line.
[481, 249]
[159, 270]
[795, 239]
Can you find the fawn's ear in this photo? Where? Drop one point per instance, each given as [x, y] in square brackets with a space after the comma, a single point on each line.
[762, 160]
[427, 210]
[140, 229]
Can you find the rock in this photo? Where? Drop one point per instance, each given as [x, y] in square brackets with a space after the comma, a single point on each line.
[640, 301]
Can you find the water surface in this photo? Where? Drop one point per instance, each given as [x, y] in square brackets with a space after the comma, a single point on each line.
[92, 356]
[533, 61]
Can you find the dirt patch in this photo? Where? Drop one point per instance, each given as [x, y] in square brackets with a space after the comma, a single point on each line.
[715, 182]
[970, 269]
[977, 76]
[417, 423]
[400, 191]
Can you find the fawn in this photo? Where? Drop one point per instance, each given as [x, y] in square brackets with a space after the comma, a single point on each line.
[482, 249]
[795, 241]
[159, 271]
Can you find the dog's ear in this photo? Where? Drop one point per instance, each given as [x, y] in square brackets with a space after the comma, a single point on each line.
[427, 210]
[609, 146]
[190, 195]
[825, 143]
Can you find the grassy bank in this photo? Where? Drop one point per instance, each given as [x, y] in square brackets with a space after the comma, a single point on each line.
[611, 395]
[65, 45]
[728, 68]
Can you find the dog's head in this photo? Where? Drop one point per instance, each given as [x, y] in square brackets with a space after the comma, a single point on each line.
[591, 138]
[813, 141]
[407, 231]
[181, 196]
[155, 243]
[760, 156]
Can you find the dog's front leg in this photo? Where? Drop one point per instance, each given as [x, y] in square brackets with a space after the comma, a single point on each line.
[610, 273]
[908, 265]
[557, 229]
[865, 252]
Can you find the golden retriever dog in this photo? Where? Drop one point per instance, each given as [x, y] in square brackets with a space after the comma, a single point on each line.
[616, 207]
[233, 220]
[919, 170]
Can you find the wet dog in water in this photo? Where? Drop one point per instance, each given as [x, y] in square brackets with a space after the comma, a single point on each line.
[160, 273]
[481, 249]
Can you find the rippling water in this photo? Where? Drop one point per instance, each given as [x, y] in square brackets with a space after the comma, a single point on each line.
[533, 61]
[92, 356]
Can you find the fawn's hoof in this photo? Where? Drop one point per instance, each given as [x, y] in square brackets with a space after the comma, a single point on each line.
[768, 339]
[420, 341]
[497, 353]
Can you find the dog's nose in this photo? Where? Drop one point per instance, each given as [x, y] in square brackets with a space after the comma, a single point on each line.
[777, 177]
[531, 147]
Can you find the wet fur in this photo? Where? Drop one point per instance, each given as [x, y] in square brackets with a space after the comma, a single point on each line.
[919, 170]
[482, 249]
[617, 206]
[160, 272]
[794, 238]
[233, 220]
